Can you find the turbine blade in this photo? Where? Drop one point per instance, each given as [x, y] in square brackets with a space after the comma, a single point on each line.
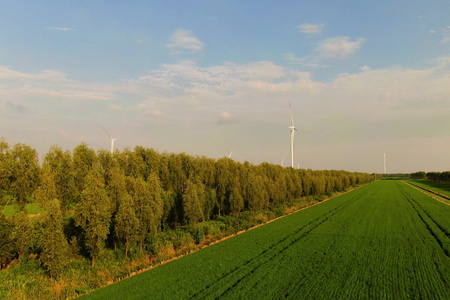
[107, 133]
[290, 110]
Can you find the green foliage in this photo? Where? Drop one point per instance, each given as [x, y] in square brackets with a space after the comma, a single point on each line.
[385, 240]
[6, 241]
[93, 213]
[193, 199]
[170, 195]
[53, 244]
[22, 233]
[127, 224]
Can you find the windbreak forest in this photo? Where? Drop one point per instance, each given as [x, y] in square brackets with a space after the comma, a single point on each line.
[82, 219]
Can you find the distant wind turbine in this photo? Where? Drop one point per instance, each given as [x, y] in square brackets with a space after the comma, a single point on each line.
[384, 162]
[292, 128]
[229, 153]
[112, 140]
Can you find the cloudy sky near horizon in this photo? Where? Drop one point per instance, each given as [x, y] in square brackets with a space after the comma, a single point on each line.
[204, 77]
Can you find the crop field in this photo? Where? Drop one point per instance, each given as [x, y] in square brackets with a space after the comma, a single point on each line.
[437, 186]
[385, 240]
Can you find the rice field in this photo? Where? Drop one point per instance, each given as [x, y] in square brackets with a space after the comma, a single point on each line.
[385, 240]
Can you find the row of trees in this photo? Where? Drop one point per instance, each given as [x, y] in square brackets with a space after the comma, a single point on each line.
[441, 176]
[124, 198]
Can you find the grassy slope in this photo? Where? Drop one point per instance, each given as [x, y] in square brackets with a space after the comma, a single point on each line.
[385, 240]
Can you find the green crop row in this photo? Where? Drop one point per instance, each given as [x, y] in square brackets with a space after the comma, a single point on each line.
[383, 241]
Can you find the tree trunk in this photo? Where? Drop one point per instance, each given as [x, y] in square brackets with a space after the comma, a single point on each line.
[126, 247]
[93, 262]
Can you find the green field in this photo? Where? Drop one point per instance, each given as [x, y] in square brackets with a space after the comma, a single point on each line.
[437, 186]
[385, 240]
[30, 209]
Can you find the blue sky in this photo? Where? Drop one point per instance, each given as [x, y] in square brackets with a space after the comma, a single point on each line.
[202, 77]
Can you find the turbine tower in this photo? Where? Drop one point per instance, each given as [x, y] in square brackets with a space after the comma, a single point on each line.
[384, 162]
[229, 153]
[112, 141]
[293, 129]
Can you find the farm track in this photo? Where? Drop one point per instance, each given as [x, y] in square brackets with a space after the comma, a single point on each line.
[383, 241]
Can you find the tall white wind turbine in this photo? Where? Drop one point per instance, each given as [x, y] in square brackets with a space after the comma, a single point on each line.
[293, 129]
[112, 140]
[229, 153]
[384, 162]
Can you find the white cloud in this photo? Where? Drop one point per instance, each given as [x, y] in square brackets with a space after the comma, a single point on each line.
[338, 47]
[50, 84]
[183, 40]
[369, 107]
[310, 29]
[60, 28]
[364, 68]
[445, 34]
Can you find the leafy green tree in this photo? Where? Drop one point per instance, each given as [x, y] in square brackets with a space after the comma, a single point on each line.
[193, 197]
[225, 173]
[156, 200]
[22, 233]
[53, 244]
[117, 190]
[83, 160]
[47, 190]
[93, 213]
[140, 192]
[24, 177]
[210, 202]
[5, 166]
[235, 198]
[61, 165]
[127, 224]
[6, 240]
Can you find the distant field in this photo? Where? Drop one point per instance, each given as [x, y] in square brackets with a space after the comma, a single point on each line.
[383, 241]
[31, 209]
[437, 186]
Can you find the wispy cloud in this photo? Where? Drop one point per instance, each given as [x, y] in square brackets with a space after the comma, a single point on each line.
[60, 28]
[64, 134]
[155, 113]
[184, 40]
[49, 84]
[310, 29]
[445, 34]
[115, 107]
[338, 47]
[226, 118]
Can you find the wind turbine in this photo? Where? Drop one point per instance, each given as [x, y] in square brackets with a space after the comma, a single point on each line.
[112, 141]
[229, 153]
[384, 162]
[292, 128]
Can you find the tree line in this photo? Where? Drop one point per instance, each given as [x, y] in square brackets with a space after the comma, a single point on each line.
[437, 176]
[92, 200]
